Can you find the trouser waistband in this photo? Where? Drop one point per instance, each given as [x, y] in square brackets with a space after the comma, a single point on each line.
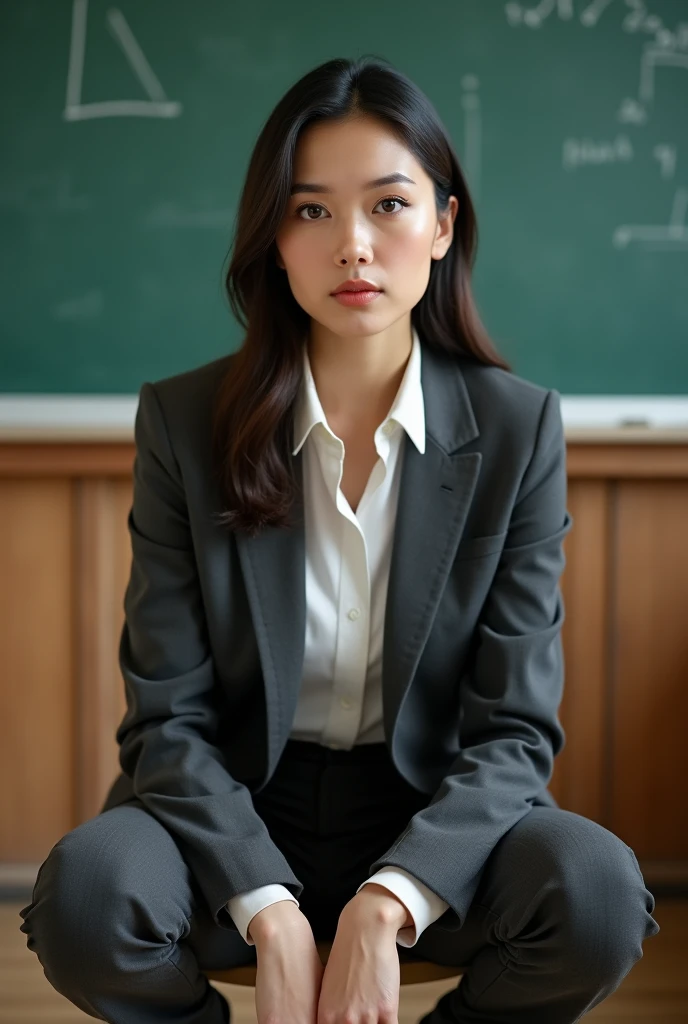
[360, 753]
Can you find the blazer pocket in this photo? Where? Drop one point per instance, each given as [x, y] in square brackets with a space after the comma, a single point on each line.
[478, 547]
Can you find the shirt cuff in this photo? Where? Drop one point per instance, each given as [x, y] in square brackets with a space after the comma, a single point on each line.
[243, 907]
[424, 905]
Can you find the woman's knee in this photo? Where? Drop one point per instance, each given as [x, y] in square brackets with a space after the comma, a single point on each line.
[104, 899]
[591, 884]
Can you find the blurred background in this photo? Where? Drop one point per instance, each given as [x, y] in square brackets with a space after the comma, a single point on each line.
[125, 134]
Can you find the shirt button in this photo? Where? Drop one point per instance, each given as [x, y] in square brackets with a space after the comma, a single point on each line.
[353, 614]
[345, 702]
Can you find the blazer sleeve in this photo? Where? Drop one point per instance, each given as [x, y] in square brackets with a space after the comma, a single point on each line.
[167, 737]
[509, 693]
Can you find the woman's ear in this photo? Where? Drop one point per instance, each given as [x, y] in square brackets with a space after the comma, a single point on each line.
[445, 229]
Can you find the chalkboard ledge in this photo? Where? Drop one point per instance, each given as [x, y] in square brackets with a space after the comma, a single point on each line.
[98, 418]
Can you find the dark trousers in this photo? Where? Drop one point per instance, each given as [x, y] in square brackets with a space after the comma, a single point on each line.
[557, 922]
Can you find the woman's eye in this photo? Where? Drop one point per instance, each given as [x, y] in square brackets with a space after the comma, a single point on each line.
[393, 199]
[317, 206]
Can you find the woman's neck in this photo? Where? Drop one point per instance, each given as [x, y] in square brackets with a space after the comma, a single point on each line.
[357, 378]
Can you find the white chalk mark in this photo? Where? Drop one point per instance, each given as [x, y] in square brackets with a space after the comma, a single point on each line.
[668, 237]
[77, 49]
[666, 39]
[678, 210]
[668, 245]
[640, 20]
[660, 237]
[122, 108]
[587, 152]
[631, 112]
[514, 13]
[667, 159]
[592, 14]
[470, 101]
[82, 307]
[75, 110]
[135, 55]
[633, 22]
[535, 16]
[652, 58]
[653, 24]
[45, 191]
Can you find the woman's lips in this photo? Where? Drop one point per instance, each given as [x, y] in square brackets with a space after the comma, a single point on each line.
[355, 298]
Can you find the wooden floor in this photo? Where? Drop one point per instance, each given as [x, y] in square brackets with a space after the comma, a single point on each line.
[655, 992]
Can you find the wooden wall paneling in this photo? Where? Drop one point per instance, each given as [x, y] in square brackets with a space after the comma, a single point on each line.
[123, 496]
[650, 677]
[36, 614]
[578, 780]
[65, 559]
[66, 459]
[630, 461]
[103, 556]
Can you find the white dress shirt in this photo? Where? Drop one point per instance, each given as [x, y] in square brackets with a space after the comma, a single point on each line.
[347, 571]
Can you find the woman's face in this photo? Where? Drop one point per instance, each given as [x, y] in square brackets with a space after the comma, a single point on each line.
[387, 234]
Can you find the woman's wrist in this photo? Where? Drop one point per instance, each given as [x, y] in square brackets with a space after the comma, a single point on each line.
[272, 920]
[380, 903]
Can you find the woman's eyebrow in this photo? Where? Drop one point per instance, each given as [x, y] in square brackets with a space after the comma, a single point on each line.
[388, 179]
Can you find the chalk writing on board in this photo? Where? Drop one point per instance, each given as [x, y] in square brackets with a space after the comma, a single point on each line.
[631, 112]
[156, 106]
[637, 19]
[673, 235]
[470, 101]
[673, 55]
[534, 17]
[667, 49]
[45, 190]
[580, 152]
[667, 159]
[651, 59]
[592, 14]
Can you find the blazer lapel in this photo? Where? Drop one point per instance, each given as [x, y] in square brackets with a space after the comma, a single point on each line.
[435, 494]
[436, 490]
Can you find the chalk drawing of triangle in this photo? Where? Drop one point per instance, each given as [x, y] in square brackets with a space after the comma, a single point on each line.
[157, 105]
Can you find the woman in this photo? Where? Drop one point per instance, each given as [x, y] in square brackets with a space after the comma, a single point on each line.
[365, 476]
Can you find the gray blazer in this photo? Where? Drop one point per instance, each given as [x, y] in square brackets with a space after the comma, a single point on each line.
[212, 647]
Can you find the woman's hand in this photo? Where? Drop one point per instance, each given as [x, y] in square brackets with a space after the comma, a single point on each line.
[361, 980]
[289, 970]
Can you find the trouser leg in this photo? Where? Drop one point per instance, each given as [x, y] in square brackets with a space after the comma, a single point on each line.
[557, 922]
[120, 926]
[116, 925]
[558, 919]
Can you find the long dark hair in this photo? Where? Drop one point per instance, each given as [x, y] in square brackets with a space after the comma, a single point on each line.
[253, 411]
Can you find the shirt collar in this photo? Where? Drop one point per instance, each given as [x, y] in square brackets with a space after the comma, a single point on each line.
[408, 408]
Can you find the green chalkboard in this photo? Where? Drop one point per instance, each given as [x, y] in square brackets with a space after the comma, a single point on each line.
[126, 132]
